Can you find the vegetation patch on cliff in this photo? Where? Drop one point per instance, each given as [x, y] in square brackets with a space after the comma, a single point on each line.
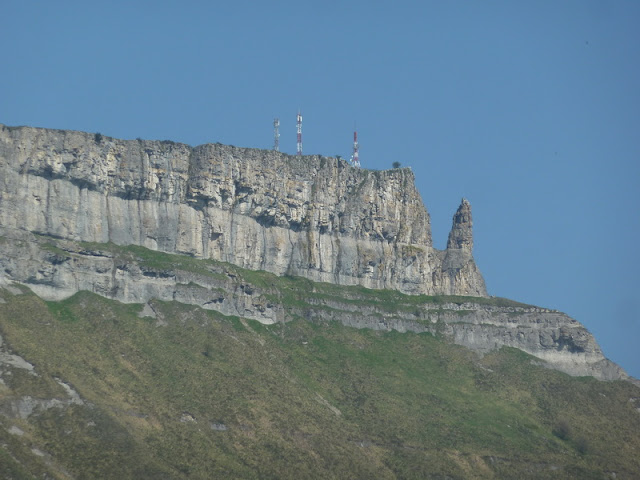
[291, 290]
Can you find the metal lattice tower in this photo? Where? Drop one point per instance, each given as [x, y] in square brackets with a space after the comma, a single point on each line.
[299, 129]
[355, 159]
[276, 134]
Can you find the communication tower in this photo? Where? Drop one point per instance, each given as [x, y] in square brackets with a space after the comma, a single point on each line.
[276, 134]
[355, 159]
[299, 129]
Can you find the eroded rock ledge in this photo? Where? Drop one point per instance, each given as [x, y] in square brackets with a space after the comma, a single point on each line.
[55, 269]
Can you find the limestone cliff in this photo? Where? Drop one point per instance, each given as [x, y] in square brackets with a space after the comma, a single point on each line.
[311, 216]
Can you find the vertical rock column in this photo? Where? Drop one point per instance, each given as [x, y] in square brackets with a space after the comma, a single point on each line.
[460, 275]
[461, 235]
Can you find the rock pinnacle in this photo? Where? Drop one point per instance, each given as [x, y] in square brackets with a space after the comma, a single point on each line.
[461, 235]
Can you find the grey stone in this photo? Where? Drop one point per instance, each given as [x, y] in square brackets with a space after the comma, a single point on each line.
[461, 235]
[16, 431]
[311, 216]
[147, 311]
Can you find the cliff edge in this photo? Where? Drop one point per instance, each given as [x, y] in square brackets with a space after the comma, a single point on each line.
[311, 216]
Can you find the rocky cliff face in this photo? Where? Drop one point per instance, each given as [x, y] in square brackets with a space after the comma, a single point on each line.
[310, 216]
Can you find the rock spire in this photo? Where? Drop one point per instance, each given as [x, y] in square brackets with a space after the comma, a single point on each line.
[461, 235]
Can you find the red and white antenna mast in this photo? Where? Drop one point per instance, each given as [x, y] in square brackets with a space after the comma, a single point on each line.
[355, 159]
[299, 128]
[276, 134]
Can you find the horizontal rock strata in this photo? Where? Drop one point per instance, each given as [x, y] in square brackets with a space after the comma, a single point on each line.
[56, 269]
[310, 216]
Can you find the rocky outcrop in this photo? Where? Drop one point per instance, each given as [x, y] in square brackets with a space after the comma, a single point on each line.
[311, 216]
[56, 269]
[461, 235]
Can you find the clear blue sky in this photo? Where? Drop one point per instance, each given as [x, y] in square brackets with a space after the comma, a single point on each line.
[531, 110]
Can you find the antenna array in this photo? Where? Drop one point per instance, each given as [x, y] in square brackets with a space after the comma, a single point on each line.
[276, 134]
[299, 130]
[355, 159]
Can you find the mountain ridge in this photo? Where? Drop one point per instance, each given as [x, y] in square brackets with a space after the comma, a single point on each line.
[328, 222]
[218, 312]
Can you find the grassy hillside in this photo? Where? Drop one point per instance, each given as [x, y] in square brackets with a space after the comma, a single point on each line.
[194, 394]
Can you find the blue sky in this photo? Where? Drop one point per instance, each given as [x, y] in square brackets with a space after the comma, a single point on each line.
[531, 110]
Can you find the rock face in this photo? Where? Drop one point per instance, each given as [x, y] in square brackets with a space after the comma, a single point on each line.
[310, 216]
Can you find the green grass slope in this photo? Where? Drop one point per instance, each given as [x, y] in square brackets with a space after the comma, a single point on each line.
[194, 394]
